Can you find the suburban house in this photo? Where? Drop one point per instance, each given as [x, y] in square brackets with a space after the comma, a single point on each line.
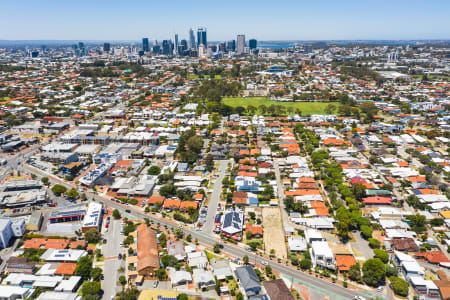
[248, 280]
[322, 256]
[277, 289]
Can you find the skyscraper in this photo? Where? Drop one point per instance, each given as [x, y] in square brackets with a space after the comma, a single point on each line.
[252, 43]
[106, 47]
[145, 45]
[176, 43]
[191, 39]
[240, 47]
[201, 37]
[166, 47]
[231, 46]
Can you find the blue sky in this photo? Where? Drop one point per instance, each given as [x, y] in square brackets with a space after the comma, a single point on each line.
[263, 19]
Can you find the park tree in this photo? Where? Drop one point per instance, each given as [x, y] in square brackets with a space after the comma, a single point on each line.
[92, 236]
[369, 109]
[330, 109]
[374, 272]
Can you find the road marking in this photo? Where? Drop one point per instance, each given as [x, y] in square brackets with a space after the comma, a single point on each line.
[314, 287]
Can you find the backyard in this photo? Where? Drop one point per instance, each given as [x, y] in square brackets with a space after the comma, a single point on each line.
[306, 108]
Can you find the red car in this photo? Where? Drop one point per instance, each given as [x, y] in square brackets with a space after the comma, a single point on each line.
[107, 225]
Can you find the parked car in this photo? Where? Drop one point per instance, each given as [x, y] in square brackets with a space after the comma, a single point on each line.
[155, 284]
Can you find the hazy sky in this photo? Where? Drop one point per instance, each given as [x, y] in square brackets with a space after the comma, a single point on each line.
[263, 19]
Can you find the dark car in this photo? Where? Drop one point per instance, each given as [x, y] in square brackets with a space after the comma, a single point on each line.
[104, 241]
[127, 210]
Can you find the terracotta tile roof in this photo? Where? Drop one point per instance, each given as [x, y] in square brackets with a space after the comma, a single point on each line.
[186, 204]
[254, 229]
[66, 269]
[417, 179]
[75, 244]
[377, 200]
[34, 243]
[156, 199]
[303, 192]
[147, 248]
[344, 262]
[433, 257]
[172, 203]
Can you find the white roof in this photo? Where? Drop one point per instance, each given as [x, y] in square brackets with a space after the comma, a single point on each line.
[93, 215]
[64, 255]
[11, 292]
[321, 248]
[297, 243]
[313, 234]
[68, 285]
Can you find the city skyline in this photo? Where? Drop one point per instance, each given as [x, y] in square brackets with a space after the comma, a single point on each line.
[351, 20]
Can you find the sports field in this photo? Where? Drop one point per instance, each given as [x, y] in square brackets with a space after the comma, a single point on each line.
[307, 108]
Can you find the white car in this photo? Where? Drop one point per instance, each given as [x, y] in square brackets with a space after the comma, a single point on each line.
[265, 263]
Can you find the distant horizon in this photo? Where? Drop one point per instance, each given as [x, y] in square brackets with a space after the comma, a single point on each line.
[218, 41]
[263, 20]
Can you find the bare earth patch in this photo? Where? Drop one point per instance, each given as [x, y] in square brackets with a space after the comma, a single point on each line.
[273, 231]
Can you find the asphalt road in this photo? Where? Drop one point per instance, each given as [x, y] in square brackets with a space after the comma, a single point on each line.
[110, 251]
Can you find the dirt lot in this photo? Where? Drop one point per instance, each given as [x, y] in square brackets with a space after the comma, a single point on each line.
[273, 231]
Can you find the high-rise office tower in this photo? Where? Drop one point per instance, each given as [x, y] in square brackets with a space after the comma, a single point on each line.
[191, 39]
[223, 47]
[240, 45]
[176, 43]
[156, 49]
[184, 44]
[145, 45]
[82, 49]
[106, 47]
[166, 47]
[201, 37]
[252, 43]
[231, 46]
